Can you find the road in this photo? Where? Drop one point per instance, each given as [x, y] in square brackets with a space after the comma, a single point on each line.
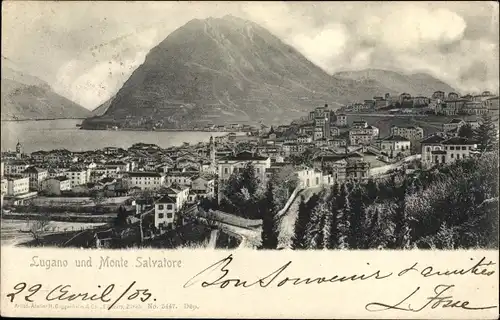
[287, 220]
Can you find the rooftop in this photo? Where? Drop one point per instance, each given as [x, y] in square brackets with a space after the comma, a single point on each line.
[433, 139]
[165, 199]
[144, 174]
[395, 138]
[459, 141]
[245, 156]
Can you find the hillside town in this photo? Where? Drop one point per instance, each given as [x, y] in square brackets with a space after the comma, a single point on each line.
[168, 187]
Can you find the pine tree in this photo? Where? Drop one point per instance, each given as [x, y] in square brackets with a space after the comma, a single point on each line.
[356, 218]
[313, 235]
[370, 194]
[300, 226]
[269, 225]
[373, 231]
[466, 131]
[402, 228]
[486, 133]
[343, 217]
[332, 241]
[249, 180]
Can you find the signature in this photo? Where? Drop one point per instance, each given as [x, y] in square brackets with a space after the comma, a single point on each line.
[64, 292]
[439, 300]
[221, 278]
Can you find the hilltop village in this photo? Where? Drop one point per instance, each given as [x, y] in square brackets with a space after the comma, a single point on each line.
[169, 186]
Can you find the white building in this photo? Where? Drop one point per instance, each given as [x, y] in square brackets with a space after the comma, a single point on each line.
[17, 184]
[395, 145]
[204, 187]
[362, 133]
[409, 132]
[458, 148]
[180, 195]
[230, 164]
[144, 180]
[36, 177]
[454, 124]
[304, 139]
[182, 178]
[54, 186]
[15, 167]
[318, 133]
[439, 150]
[310, 178]
[77, 176]
[165, 210]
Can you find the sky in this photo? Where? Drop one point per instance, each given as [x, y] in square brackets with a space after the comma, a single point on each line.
[87, 50]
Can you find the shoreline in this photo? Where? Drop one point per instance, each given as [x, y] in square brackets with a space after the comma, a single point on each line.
[163, 130]
[44, 119]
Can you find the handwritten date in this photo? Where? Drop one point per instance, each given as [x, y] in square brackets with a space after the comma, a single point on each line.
[64, 292]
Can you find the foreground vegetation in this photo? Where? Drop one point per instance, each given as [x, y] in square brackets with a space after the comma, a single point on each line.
[447, 207]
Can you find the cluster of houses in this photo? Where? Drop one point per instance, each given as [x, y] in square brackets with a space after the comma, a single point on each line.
[439, 103]
[323, 148]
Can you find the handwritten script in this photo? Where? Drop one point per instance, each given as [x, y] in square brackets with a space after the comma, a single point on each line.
[223, 275]
[219, 275]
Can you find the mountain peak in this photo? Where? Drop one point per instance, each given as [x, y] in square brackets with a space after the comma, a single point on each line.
[222, 69]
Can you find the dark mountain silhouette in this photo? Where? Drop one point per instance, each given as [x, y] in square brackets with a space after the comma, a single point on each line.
[226, 69]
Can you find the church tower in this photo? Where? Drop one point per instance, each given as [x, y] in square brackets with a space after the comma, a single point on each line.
[213, 164]
[19, 150]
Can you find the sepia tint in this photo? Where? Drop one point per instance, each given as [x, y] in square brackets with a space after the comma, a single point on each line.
[304, 145]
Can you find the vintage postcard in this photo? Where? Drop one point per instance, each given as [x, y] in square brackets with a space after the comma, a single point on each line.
[250, 159]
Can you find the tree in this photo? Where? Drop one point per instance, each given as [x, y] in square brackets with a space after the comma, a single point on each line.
[98, 198]
[300, 226]
[241, 193]
[343, 217]
[401, 221]
[37, 227]
[334, 205]
[121, 217]
[486, 133]
[284, 181]
[269, 225]
[356, 218]
[317, 230]
[466, 131]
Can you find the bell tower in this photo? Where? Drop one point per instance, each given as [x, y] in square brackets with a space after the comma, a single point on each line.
[19, 150]
[213, 164]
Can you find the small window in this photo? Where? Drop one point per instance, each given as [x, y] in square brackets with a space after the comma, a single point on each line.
[160, 216]
[160, 207]
[169, 206]
[169, 215]
[225, 170]
[452, 148]
[464, 148]
[453, 155]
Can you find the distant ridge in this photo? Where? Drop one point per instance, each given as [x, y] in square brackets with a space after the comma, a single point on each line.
[414, 84]
[26, 97]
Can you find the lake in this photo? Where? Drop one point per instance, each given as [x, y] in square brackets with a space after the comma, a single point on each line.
[64, 134]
